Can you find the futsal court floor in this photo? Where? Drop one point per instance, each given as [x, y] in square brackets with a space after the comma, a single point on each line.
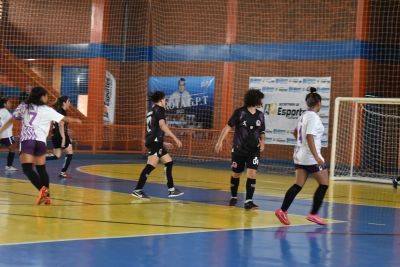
[94, 221]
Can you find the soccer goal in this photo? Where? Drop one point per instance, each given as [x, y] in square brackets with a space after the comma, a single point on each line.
[366, 139]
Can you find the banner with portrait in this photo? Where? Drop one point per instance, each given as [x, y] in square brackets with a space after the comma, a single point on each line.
[190, 99]
[284, 102]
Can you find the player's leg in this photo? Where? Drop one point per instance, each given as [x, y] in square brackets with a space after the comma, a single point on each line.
[291, 193]
[152, 161]
[237, 167]
[168, 164]
[323, 180]
[11, 146]
[252, 166]
[57, 150]
[40, 162]
[68, 158]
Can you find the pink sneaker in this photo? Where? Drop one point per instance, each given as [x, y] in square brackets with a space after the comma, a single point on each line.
[316, 219]
[282, 216]
[42, 195]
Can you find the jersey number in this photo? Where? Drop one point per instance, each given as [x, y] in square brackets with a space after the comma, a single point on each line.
[255, 161]
[148, 121]
[33, 116]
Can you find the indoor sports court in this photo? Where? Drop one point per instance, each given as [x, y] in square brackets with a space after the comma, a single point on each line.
[110, 57]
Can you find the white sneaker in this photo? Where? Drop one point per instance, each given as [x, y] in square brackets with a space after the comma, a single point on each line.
[11, 168]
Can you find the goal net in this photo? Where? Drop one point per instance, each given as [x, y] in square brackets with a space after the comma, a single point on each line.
[366, 139]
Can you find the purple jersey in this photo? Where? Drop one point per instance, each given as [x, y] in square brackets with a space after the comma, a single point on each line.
[248, 130]
[153, 130]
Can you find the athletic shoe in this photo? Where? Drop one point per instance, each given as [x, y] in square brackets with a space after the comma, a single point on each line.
[47, 201]
[233, 201]
[42, 195]
[175, 193]
[316, 219]
[395, 183]
[139, 194]
[282, 216]
[11, 168]
[64, 175]
[250, 205]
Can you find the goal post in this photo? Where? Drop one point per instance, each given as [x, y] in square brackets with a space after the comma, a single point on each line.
[366, 139]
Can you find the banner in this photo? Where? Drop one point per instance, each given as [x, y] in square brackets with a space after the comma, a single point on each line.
[109, 99]
[189, 99]
[284, 102]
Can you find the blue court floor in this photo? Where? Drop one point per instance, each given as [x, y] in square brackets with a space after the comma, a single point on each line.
[94, 221]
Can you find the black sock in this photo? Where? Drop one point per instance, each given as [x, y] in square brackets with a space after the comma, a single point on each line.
[290, 195]
[67, 161]
[234, 186]
[52, 157]
[27, 168]
[143, 176]
[10, 158]
[318, 198]
[41, 169]
[250, 187]
[168, 174]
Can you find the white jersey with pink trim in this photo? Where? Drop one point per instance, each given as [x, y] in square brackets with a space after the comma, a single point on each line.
[309, 123]
[36, 121]
[5, 115]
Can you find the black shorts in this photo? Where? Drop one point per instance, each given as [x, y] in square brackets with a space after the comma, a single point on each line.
[7, 141]
[57, 139]
[156, 148]
[311, 168]
[239, 161]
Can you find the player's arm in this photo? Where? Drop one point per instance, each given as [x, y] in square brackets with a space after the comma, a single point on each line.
[295, 133]
[313, 149]
[7, 124]
[221, 138]
[70, 120]
[168, 132]
[262, 142]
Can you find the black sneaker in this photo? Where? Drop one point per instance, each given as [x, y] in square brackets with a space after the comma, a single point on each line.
[395, 182]
[250, 205]
[233, 201]
[139, 194]
[175, 193]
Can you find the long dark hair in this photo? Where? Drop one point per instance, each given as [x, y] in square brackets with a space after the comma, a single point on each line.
[3, 102]
[35, 97]
[60, 101]
[313, 97]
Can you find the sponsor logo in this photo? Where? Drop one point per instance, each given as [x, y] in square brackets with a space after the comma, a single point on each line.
[323, 90]
[270, 109]
[269, 140]
[267, 89]
[290, 113]
[258, 123]
[268, 131]
[291, 140]
[295, 89]
[282, 80]
[279, 140]
[309, 80]
[296, 80]
[279, 131]
[255, 80]
[282, 89]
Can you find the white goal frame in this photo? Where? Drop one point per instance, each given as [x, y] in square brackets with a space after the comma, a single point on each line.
[356, 101]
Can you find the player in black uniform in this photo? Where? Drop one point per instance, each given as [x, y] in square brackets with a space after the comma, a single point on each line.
[156, 128]
[248, 142]
[60, 137]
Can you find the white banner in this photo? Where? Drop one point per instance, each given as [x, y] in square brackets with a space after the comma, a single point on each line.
[109, 99]
[284, 102]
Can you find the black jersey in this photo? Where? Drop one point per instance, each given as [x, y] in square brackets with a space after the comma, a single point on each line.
[56, 127]
[248, 129]
[153, 130]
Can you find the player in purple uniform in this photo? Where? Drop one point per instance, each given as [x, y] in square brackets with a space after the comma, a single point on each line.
[36, 118]
[248, 142]
[60, 137]
[6, 138]
[156, 128]
[308, 160]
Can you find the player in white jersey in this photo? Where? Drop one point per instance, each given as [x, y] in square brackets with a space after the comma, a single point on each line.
[6, 137]
[308, 160]
[36, 118]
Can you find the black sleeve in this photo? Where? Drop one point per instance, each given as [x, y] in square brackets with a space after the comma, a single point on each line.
[262, 127]
[234, 120]
[160, 114]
